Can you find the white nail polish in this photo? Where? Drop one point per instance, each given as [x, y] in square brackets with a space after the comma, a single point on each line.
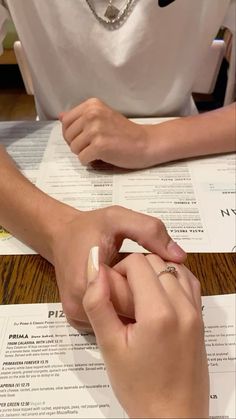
[93, 264]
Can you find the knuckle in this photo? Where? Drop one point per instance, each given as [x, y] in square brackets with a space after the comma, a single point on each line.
[99, 143]
[94, 101]
[94, 109]
[114, 211]
[93, 114]
[154, 226]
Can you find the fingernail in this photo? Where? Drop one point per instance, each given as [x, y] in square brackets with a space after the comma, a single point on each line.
[175, 250]
[93, 264]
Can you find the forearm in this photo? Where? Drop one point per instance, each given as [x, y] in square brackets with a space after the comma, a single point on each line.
[26, 212]
[209, 133]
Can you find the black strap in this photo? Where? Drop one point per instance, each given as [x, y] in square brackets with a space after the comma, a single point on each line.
[164, 3]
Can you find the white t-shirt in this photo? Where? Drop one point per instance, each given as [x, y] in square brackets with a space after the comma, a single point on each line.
[146, 67]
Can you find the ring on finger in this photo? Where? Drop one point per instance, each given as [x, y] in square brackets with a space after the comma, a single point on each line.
[170, 269]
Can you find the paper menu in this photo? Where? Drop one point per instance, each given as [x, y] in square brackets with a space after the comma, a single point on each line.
[194, 198]
[185, 195]
[48, 369]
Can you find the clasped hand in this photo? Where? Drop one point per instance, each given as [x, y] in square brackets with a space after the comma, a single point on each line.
[78, 231]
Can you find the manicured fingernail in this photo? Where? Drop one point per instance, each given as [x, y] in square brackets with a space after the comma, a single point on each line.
[175, 250]
[93, 264]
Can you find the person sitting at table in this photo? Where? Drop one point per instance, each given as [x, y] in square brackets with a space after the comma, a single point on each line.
[157, 366]
[130, 60]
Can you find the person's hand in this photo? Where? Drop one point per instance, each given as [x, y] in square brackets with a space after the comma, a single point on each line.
[107, 228]
[158, 365]
[96, 132]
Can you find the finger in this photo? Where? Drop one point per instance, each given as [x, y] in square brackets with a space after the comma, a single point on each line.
[88, 154]
[184, 280]
[177, 287]
[148, 232]
[74, 130]
[196, 288]
[148, 294]
[181, 282]
[106, 324]
[80, 143]
[121, 295]
[70, 116]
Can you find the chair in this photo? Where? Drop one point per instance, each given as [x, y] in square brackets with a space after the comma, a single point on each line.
[24, 67]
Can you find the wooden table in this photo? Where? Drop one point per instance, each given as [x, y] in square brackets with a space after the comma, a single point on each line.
[31, 279]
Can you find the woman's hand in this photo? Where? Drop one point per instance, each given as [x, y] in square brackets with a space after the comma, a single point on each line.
[157, 366]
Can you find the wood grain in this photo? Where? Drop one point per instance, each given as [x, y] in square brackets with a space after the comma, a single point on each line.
[27, 279]
[31, 279]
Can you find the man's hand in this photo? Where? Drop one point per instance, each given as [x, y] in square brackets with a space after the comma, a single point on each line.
[96, 132]
[106, 228]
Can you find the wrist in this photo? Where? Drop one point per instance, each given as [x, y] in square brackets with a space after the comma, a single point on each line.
[158, 145]
[164, 141]
[58, 217]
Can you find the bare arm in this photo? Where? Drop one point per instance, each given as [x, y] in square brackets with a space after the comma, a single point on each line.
[27, 212]
[64, 235]
[208, 133]
[95, 131]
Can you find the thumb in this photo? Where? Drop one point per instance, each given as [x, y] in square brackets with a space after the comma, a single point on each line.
[97, 304]
[149, 232]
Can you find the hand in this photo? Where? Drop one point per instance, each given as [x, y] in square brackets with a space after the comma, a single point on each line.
[107, 228]
[96, 132]
[157, 366]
